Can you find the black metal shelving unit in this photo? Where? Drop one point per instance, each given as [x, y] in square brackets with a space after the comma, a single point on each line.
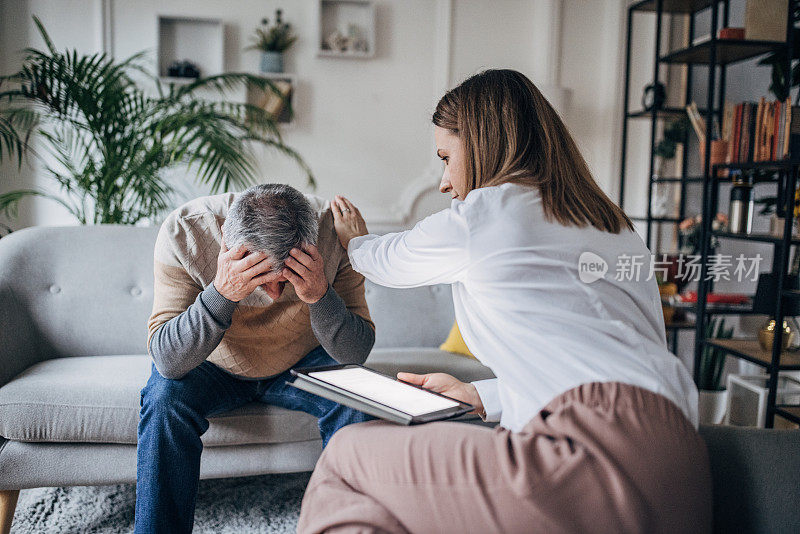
[717, 54]
[784, 176]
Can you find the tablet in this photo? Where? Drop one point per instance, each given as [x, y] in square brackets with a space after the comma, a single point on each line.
[377, 394]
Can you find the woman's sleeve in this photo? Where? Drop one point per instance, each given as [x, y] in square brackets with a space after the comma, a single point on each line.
[435, 251]
[490, 398]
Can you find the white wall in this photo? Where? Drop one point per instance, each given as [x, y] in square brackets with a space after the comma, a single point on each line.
[364, 125]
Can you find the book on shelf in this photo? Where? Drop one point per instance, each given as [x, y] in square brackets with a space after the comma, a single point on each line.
[761, 131]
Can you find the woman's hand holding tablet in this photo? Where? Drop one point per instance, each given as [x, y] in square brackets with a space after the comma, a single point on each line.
[377, 394]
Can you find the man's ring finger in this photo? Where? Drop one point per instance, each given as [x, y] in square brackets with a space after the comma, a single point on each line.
[346, 210]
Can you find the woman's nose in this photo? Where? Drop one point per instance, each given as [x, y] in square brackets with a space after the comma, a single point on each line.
[444, 185]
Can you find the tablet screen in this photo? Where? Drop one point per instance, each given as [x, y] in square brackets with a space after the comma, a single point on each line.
[383, 389]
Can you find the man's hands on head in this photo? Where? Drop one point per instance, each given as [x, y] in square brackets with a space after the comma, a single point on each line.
[305, 270]
[347, 220]
[240, 272]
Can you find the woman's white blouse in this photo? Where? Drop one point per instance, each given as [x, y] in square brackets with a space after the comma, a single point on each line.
[522, 307]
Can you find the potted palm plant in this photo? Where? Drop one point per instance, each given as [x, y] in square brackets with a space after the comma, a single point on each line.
[109, 141]
[273, 41]
[713, 398]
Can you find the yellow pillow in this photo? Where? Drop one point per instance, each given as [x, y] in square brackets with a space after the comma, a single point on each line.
[455, 343]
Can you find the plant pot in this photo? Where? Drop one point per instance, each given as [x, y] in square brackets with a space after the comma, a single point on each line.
[711, 406]
[271, 61]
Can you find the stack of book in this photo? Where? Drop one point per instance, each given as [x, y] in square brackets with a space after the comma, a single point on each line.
[759, 131]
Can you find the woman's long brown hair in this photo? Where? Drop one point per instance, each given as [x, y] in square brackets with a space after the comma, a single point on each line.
[511, 133]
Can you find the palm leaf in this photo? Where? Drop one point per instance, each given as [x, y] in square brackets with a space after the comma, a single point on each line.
[110, 142]
[16, 127]
[9, 202]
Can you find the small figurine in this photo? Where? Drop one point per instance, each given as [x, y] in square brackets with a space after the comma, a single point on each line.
[336, 41]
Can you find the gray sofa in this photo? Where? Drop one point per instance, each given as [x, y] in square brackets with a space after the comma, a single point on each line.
[73, 308]
[74, 303]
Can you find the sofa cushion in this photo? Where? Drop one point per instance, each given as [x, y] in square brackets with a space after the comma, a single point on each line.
[427, 360]
[416, 317]
[95, 399]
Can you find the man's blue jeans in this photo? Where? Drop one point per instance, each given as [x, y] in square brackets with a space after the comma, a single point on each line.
[174, 416]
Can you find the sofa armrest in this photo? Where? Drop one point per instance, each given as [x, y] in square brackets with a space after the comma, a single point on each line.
[755, 478]
[19, 344]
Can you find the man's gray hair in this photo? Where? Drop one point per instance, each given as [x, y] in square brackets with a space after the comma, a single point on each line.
[271, 218]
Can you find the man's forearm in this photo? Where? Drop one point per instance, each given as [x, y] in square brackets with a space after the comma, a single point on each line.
[347, 337]
[186, 340]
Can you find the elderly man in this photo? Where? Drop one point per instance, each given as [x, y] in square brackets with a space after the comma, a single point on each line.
[246, 287]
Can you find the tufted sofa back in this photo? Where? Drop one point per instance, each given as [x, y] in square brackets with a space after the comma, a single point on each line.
[86, 291]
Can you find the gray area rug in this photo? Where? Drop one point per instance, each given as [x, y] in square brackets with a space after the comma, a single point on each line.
[263, 504]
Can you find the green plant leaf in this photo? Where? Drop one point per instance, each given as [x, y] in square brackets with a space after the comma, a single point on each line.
[110, 141]
[9, 202]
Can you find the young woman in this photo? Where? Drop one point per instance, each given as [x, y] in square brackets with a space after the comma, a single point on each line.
[597, 418]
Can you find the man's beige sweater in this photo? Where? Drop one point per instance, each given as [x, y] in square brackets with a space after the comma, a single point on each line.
[266, 337]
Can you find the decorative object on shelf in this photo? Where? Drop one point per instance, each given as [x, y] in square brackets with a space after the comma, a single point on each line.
[190, 40]
[668, 292]
[119, 179]
[353, 42]
[273, 41]
[747, 394]
[335, 41]
[672, 136]
[764, 303]
[678, 277]
[766, 335]
[741, 206]
[653, 96]
[183, 69]
[765, 20]
[276, 101]
[691, 230]
[731, 33]
[346, 28]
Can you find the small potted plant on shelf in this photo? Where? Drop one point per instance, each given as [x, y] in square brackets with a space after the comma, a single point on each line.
[713, 397]
[673, 135]
[273, 41]
[691, 230]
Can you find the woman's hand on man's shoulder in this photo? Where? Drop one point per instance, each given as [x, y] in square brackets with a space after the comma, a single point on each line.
[347, 220]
